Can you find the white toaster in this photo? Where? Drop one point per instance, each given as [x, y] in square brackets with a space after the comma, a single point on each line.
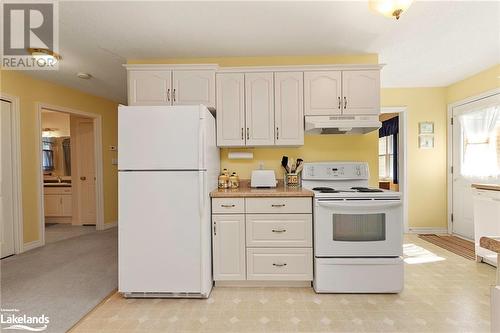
[263, 178]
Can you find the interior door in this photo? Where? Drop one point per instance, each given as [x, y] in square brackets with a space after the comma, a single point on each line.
[6, 186]
[85, 175]
[259, 102]
[473, 162]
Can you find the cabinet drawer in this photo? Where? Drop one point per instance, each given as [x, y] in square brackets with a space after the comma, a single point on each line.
[278, 205]
[279, 264]
[228, 205]
[279, 230]
[57, 190]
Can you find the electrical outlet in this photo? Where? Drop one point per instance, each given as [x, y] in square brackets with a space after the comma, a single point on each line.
[261, 165]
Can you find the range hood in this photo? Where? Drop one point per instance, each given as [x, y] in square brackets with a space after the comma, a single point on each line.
[341, 124]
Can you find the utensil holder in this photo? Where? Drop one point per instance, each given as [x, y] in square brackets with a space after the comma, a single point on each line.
[292, 180]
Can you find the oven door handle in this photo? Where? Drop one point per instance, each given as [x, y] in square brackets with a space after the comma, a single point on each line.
[359, 204]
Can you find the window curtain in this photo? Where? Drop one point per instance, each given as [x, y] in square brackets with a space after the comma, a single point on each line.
[391, 127]
[479, 151]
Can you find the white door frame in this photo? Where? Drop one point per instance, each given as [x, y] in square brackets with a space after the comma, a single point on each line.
[402, 156]
[17, 199]
[97, 119]
[449, 172]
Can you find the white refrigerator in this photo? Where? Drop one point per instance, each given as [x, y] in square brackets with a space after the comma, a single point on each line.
[168, 162]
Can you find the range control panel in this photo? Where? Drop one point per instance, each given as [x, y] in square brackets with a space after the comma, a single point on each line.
[335, 170]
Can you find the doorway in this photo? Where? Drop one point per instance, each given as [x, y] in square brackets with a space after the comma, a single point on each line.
[71, 175]
[392, 154]
[475, 156]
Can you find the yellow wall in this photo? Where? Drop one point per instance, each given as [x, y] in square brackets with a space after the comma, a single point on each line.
[486, 80]
[31, 91]
[426, 167]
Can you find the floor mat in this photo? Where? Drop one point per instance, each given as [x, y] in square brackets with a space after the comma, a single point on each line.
[453, 244]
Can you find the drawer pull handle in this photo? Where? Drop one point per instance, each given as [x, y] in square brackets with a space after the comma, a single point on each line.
[228, 206]
[279, 265]
[276, 206]
[279, 230]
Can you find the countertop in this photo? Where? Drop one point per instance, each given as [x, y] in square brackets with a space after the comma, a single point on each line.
[492, 244]
[245, 191]
[491, 187]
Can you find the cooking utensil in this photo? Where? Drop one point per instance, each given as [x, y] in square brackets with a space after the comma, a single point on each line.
[284, 163]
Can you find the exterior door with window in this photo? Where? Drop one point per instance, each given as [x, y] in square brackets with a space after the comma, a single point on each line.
[476, 157]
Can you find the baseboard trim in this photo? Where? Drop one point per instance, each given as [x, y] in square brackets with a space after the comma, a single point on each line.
[249, 283]
[107, 226]
[427, 230]
[31, 245]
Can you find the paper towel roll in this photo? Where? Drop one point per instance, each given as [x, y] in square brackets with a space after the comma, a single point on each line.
[239, 155]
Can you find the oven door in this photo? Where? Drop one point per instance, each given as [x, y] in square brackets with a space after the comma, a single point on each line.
[358, 228]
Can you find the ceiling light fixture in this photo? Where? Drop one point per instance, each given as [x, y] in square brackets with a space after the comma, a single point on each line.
[390, 8]
[85, 76]
[46, 55]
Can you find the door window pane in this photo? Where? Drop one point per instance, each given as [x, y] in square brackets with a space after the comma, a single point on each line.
[358, 227]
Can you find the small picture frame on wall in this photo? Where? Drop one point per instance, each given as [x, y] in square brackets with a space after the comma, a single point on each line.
[426, 141]
[426, 127]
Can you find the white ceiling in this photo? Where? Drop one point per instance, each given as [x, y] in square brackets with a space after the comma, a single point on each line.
[433, 44]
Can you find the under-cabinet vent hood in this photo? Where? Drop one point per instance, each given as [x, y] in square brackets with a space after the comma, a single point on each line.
[341, 124]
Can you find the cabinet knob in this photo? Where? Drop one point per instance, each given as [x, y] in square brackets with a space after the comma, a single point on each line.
[340, 103]
[168, 94]
[173, 95]
[277, 133]
[242, 134]
[228, 206]
[248, 133]
[276, 206]
[83, 178]
[345, 102]
[279, 230]
[279, 265]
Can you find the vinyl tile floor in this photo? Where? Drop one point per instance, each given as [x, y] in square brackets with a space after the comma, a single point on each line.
[443, 293]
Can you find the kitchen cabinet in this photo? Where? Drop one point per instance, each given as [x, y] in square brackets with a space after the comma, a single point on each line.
[259, 106]
[346, 92]
[57, 202]
[322, 93]
[228, 239]
[269, 239]
[289, 108]
[149, 87]
[156, 86]
[361, 92]
[231, 109]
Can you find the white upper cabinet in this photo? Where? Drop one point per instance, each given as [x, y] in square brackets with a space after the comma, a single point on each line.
[194, 87]
[289, 108]
[149, 87]
[322, 93]
[171, 85]
[231, 109]
[259, 102]
[361, 92]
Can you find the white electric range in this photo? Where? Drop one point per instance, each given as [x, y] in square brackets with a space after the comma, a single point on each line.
[358, 230]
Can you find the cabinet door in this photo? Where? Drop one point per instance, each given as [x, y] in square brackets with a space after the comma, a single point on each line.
[322, 93]
[289, 108]
[149, 87]
[229, 247]
[361, 92]
[194, 87]
[230, 109]
[66, 202]
[259, 105]
[52, 205]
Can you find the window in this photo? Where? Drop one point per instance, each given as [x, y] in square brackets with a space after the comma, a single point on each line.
[481, 143]
[47, 155]
[386, 158]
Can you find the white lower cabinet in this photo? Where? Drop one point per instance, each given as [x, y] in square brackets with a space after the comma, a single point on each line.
[228, 239]
[279, 264]
[259, 245]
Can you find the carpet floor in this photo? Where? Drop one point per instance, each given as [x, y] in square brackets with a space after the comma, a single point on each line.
[453, 244]
[63, 280]
[56, 232]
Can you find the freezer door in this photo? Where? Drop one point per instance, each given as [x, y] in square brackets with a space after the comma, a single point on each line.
[161, 137]
[161, 218]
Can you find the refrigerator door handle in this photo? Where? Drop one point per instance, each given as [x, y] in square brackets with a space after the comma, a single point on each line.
[201, 179]
[201, 145]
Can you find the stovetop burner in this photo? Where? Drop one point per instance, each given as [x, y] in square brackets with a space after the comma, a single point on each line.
[324, 189]
[367, 190]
